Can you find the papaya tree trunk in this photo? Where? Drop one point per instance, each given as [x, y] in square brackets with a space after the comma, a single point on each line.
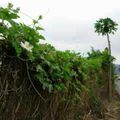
[110, 70]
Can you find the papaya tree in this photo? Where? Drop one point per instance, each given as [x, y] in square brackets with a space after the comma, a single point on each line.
[105, 27]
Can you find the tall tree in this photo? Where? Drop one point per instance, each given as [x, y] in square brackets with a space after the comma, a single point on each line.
[105, 27]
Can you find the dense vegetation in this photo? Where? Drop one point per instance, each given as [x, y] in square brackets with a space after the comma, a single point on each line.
[63, 75]
[106, 27]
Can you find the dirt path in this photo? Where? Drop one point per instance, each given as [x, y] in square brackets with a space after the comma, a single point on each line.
[113, 110]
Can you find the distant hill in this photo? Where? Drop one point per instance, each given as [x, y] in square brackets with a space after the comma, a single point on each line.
[117, 69]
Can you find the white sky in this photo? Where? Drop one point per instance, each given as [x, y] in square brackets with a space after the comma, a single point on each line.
[69, 24]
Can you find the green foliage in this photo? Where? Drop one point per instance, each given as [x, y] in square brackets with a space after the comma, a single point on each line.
[17, 34]
[105, 26]
[55, 70]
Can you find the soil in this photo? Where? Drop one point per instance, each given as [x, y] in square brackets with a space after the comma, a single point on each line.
[111, 112]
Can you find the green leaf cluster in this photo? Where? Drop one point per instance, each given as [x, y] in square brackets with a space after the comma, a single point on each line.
[105, 26]
[15, 33]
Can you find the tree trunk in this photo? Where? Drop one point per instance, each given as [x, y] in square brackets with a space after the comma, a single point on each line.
[110, 70]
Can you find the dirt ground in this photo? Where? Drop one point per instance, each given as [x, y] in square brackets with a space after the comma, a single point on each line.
[112, 110]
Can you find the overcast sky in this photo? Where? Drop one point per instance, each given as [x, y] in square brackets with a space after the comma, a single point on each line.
[69, 24]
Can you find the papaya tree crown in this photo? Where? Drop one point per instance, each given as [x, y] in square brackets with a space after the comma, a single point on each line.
[105, 26]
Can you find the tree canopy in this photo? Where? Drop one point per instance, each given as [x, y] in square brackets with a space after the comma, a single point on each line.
[105, 26]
